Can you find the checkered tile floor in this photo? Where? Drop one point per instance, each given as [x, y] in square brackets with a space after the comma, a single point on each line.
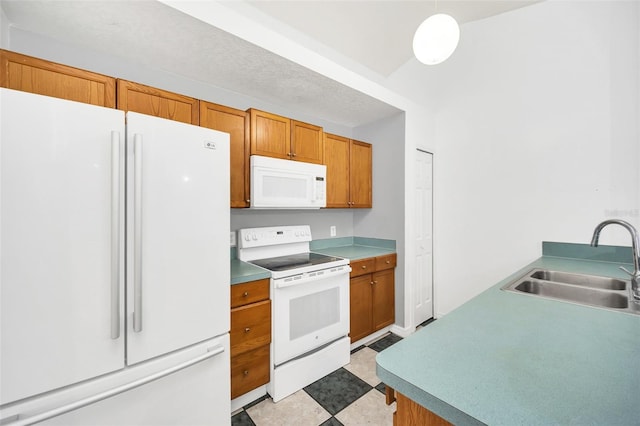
[352, 395]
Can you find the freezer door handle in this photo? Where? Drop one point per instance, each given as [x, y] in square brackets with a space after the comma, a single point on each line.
[115, 235]
[19, 421]
[137, 239]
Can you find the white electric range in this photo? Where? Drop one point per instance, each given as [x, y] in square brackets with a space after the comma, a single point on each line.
[310, 305]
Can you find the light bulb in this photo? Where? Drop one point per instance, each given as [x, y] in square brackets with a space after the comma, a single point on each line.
[436, 39]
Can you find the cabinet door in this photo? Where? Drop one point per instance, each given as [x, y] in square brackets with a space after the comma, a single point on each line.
[360, 307]
[383, 299]
[360, 160]
[270, 134]
[159, 103]
[336, 157]
[28, 74]
[249, 370]
[307, 143]
[235, 123]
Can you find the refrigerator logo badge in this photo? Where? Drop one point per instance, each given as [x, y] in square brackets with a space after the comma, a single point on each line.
[210, 144]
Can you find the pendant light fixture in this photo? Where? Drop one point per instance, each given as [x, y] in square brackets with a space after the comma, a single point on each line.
[436, 39]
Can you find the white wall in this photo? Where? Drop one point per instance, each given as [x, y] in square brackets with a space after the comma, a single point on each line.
[537, 138]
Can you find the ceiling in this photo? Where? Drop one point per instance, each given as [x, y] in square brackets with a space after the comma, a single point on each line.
[373, 35]
[377, 34]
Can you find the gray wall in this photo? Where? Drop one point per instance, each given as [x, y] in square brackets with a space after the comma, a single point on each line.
[385, 220]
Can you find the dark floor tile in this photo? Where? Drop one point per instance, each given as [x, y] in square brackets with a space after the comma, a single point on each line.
[385, 342]
[242, 419]
[337, 390]
[381, 387]
[332, 422]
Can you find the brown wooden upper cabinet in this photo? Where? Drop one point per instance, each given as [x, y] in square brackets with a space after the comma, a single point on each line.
[28, 74]
[349, 172]
[280, 137]
[159, 103]
[236, 123]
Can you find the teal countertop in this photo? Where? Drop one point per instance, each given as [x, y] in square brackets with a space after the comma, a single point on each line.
[506, 359]
[242, 272]
[352, 248]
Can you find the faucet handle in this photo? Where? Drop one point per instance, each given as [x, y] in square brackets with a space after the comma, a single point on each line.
[631, 274]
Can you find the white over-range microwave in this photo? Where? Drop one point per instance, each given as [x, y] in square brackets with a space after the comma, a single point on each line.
[287, 184]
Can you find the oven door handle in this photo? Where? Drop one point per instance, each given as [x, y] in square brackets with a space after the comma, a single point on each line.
[309, 277]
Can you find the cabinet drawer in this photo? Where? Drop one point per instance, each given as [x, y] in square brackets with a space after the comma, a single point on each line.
[249, 370]
[386, 262]
[250, 327]
[253, 291]
[363, 266]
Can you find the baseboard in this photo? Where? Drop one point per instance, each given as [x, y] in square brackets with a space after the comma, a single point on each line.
[402, 331]
[248, 398]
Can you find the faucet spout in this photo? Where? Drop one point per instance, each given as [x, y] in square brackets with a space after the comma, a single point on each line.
[635, 246]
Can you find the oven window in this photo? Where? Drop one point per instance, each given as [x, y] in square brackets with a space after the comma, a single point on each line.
[313, 312]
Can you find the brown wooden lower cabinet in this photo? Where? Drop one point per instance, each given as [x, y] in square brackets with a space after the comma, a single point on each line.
[249, 370]
[371, 295]
[410, 413]
[250, 336]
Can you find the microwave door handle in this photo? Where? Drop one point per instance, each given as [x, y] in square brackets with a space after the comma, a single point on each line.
[315, 189]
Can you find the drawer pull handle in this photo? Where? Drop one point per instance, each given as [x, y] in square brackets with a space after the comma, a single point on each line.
[245, 294]
[246, 330]
[245, 372]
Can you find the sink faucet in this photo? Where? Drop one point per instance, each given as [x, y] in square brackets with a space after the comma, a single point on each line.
[635, 246]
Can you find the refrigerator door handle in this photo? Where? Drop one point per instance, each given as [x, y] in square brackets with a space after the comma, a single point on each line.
[19, 421]
[115, 235]
[137, 238]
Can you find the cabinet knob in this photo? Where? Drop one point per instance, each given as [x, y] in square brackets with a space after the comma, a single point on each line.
[245, 372]
[293, 155]
[375, 282]
[246, 330]
[288, 154]
[388, 262]
[246, 293]
[371, 282]
[364, 266]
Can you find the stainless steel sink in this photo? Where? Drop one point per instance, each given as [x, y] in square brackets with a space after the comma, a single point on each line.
[579, 279]
[590, 290]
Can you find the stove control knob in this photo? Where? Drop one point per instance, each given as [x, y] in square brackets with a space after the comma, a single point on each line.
[247, 237]
[254, 237]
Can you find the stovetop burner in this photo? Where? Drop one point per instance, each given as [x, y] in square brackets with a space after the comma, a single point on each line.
[294, 261]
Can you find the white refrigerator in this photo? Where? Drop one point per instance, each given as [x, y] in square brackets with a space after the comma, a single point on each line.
[114, 279]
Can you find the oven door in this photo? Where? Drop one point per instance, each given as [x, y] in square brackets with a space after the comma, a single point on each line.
[309, 314]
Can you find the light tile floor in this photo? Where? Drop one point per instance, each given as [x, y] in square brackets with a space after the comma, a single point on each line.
[350, 396]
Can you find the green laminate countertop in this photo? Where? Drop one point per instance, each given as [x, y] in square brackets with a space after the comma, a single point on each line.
[505, 358]
[354, 248]
[242, 272]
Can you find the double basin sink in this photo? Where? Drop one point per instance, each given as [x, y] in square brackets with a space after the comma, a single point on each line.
[590, 290]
